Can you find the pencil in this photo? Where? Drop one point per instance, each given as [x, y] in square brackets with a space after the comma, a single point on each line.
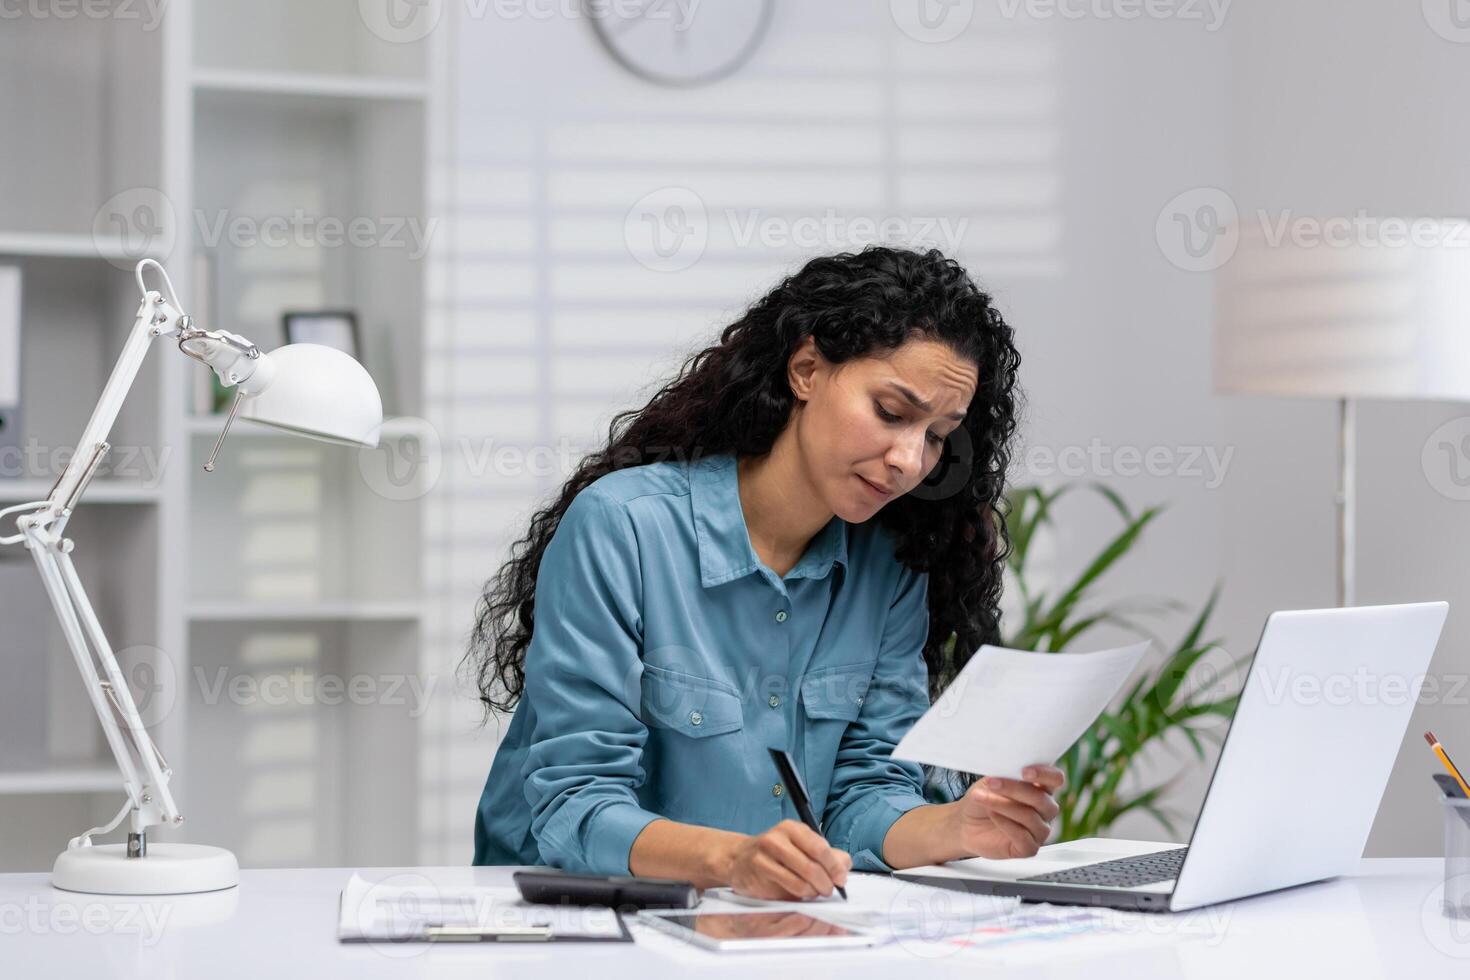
[1444, 757]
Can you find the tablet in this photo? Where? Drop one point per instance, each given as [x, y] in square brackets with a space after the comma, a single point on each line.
[755, 930]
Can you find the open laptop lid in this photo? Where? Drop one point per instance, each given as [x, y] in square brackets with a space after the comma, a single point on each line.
[1323, 713]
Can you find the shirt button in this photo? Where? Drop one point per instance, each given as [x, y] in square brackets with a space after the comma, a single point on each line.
[859, 700]
[781, 616]
[776, 790]
[774, 702]
[695, 718]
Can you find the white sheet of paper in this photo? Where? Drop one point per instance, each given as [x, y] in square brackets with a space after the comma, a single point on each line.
[1009, 709]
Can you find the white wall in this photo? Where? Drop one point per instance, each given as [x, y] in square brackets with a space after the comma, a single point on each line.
[1060, 141]
[1340, 108]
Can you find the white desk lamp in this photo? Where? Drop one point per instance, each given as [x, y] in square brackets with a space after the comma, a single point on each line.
[1346, 320]
[306, 389]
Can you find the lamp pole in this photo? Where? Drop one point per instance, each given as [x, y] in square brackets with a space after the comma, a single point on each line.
[1347, 504]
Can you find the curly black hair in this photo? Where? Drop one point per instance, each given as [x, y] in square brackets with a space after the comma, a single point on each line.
[735, 397]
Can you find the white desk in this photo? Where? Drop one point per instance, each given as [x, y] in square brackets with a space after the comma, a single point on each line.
[281, 924]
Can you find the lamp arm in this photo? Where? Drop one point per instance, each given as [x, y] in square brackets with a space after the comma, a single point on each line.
[156, 317]
[144, 771]
[236, 360]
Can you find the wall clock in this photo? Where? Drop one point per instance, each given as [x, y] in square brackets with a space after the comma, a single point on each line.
[678, 42]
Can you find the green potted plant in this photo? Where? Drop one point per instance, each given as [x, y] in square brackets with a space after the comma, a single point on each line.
[1157, 704]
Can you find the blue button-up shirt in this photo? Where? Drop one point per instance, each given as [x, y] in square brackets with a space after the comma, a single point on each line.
[666, 657]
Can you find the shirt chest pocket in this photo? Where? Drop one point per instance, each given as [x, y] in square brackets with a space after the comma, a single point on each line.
[836, 692]
[831, 698]
[694, 706]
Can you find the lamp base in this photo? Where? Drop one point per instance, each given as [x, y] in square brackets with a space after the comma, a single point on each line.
[169, 869]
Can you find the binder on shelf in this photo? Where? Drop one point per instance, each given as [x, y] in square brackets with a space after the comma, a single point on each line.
[26, 650]
[9, 369]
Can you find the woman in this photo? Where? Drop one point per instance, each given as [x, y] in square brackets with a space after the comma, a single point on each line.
[768, 553]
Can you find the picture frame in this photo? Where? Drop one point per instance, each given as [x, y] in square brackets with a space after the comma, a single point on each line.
[330, 328]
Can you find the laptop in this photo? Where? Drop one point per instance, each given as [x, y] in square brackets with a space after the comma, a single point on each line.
[1322, 714]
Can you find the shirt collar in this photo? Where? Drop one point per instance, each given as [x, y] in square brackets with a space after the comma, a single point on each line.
[725, 551]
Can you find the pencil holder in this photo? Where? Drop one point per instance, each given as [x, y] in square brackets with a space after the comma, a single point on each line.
[1456, 857]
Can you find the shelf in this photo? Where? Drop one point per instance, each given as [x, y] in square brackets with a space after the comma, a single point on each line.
[257, 109]
[99, 492]
[210, 425]
[67, 247]
[299, 85]
[61, 779]
[249, 611]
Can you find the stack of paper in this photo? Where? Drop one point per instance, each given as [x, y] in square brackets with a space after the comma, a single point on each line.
[1039, 923]
[882, 905]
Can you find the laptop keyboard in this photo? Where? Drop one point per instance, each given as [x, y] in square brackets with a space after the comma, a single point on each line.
[1128, 872]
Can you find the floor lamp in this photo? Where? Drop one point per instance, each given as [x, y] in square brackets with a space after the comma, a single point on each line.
[1380, 312]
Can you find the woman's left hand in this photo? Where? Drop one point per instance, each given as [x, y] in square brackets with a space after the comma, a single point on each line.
[1009, 818]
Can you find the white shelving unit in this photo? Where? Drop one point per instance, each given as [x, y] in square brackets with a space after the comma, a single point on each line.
[305, 85]
[62, 246]
[289, 565]
[59, 779]
[320, 611]
[100, 492]
[80, 100]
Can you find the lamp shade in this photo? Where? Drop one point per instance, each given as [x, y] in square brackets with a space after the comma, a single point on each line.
[1375, 317]
[320, 392]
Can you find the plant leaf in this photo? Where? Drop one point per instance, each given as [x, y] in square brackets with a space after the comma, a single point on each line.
[1115, 549]
[1115, 499]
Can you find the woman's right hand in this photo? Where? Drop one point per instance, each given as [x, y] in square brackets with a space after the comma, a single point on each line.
[788, 862]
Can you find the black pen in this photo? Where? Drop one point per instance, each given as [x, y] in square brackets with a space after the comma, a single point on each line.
[786, 769]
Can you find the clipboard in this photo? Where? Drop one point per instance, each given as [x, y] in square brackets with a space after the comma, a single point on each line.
[386, 912]
[525, 934]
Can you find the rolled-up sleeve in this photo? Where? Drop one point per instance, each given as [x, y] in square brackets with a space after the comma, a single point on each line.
[583, 673]
[871, 789]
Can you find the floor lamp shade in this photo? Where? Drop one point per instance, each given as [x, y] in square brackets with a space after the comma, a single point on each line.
[1359, 311]
[1379, 317]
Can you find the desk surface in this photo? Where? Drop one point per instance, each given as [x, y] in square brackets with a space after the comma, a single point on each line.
[1386, 922]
